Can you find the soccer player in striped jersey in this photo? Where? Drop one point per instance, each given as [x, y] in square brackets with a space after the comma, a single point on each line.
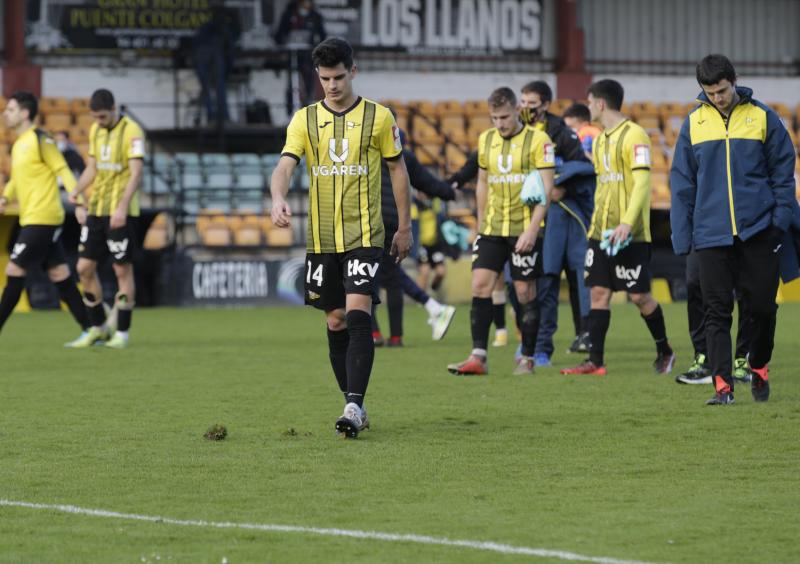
[508, 229]
[621, 217]
[343, 139]
[35, 164]
[114, 171]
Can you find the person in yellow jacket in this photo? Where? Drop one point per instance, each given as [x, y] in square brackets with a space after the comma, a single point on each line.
[35, 164]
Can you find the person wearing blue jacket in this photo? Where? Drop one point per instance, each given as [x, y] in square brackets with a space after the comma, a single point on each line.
[732, 183]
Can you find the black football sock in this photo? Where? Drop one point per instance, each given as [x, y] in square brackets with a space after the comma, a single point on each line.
[499, 315]
[530, 327]
[70, 295]
[11, 295]
[360, 354]
[480, 320]
[97, 313]
[338, 342]
[598, 322]
[394, 303]
[124, 319]
[655, 323]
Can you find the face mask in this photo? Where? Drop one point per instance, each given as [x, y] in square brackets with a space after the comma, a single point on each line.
[61, 145]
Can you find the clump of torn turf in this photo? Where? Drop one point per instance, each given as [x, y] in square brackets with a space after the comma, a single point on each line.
[216, 433]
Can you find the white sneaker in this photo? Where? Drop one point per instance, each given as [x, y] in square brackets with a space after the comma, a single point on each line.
[353, 420]
[441, 323]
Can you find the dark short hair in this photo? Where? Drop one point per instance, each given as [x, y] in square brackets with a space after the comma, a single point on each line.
[502, 96]
[714, 68]
[331, 52]
[101, 100]
[541, 88]
[578, 111]
[26, 101]
[609, 90]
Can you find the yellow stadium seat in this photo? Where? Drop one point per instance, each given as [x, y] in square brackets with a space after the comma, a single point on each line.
[429, 154]
[57, 122]
[454, 158]
[560, 105]
[247, 236]
[85, 121]
[78, 134]
[476, 108]
[79, 106]
[422, 131]
[783, 111]
[402, 122]
[217, 234]
[57, 105]
[641, 110]
[668, 109]
[423, 107]
[660, 196]
[649, 123]
[278, 237]
[160, 234]
[449, 108]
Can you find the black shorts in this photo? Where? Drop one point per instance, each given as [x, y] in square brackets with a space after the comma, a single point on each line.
[331, 276]
[98, 240]
[629, 271]
[38, 245]
[492, 253]
[433, 255]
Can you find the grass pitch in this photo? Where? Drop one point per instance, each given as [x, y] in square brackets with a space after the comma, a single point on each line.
[628, 466]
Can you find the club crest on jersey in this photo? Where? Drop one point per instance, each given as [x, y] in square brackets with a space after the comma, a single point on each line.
[506, 167]
[338, 157]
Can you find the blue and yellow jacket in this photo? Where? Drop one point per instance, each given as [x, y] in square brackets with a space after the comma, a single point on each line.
[731, 178]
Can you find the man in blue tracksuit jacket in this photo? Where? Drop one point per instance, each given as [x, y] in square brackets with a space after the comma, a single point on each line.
[732, 183]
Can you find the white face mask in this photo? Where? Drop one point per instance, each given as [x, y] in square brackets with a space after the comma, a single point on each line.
[61, 145]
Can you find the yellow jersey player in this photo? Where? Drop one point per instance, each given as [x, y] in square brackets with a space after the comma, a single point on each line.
[114, 171]
[508, 229]
[343, 139]
[35, 164]
[618, 257]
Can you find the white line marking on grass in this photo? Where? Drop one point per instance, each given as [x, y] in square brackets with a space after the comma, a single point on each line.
[373, 535]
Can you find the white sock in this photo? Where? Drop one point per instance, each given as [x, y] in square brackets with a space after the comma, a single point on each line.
[479, 352]
[123, 334]
[434, 308]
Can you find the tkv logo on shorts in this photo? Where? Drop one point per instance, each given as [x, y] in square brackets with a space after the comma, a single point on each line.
[117, 248]
[525, 262]
[338, 157]
[357, 268]
[631, 275]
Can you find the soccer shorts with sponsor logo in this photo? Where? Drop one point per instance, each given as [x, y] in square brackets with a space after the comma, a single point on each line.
[331, 276]
[38, 245]
[628, 271]
[492, 252]
[432, 255]
[98, 240]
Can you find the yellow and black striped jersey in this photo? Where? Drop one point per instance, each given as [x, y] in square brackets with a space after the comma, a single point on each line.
[507, 162]
[616, 153]
[35, 164]
[343, 152]
[112, 149]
